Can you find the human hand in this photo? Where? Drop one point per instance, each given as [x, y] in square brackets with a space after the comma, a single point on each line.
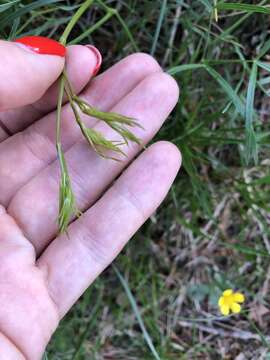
[42, 274]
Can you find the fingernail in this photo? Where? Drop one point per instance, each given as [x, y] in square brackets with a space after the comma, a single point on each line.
[98, 56]
[42, 45]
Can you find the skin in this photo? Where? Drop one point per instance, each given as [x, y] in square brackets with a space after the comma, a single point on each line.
[41, 274]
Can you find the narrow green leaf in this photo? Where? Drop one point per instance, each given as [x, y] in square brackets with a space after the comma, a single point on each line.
[136, 310]
[14, 28]
[159, 25]
[207, 5]
[264, 50]
[244, 7]
[264, 65]
[25, 10]
[251, 141]
[50, 24]
[75, 18]
[178, 69]
[251, 95]
[4, 7]
[228, 90]
[265, 180]
[222, 82]
[90, 30]
[245, 250]
[45, 356]
[127, 31]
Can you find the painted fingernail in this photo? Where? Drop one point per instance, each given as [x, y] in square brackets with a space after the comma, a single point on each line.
[98, 56]
[42, 45]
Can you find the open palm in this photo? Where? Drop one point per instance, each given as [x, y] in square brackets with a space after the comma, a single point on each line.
[42, 274]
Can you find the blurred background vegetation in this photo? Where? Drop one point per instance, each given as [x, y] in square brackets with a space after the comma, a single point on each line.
[159, 300]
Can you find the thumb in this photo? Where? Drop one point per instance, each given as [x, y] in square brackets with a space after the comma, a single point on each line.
[28, 67]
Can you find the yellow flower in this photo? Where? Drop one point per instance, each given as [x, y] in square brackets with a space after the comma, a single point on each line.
[229, 302]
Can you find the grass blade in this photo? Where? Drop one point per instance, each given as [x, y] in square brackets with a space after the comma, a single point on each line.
[159, 25]
[121, 21]
[9, 19]
[251, 141]
[93, 28]
[264, 65]
[92, 320]
[127, 31]
[178, 69]
[4, 7]
[222, 82]
[228, 90]
[244, 7]
[137, 313]
[207, 4]
[45, 356]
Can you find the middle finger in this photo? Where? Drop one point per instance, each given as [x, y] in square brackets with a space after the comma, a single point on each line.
[35, 207]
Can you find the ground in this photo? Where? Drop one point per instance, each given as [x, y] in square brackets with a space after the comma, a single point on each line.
[212, 232]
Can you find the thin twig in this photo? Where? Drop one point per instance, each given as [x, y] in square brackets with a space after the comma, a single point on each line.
[234, 333]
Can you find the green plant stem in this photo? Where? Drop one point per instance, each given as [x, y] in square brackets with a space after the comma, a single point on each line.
[74, 20]
[129, 34]
[69, 93]
[97, 25]
[59, 110]
[66, 194]
[67, 202]
[121, 21]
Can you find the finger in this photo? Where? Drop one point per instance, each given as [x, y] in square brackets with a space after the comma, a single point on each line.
[72, 263]
[25, 154]
[36, 209]
[9, 350]
[25, 75]
[81, 63]
[3, 133]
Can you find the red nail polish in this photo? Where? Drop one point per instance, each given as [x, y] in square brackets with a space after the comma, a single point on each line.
[99, 58]
[42, 45]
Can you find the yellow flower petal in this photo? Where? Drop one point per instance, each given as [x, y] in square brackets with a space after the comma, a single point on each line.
[221, 301]
[230, 302]
[236, 308]
[238, 297]
[225, 310]
[227, 292]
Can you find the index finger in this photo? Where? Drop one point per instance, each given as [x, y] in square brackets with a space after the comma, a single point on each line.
[25, 75]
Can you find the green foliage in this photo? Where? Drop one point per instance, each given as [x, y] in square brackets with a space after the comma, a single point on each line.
[244, 7]
[213, 231]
